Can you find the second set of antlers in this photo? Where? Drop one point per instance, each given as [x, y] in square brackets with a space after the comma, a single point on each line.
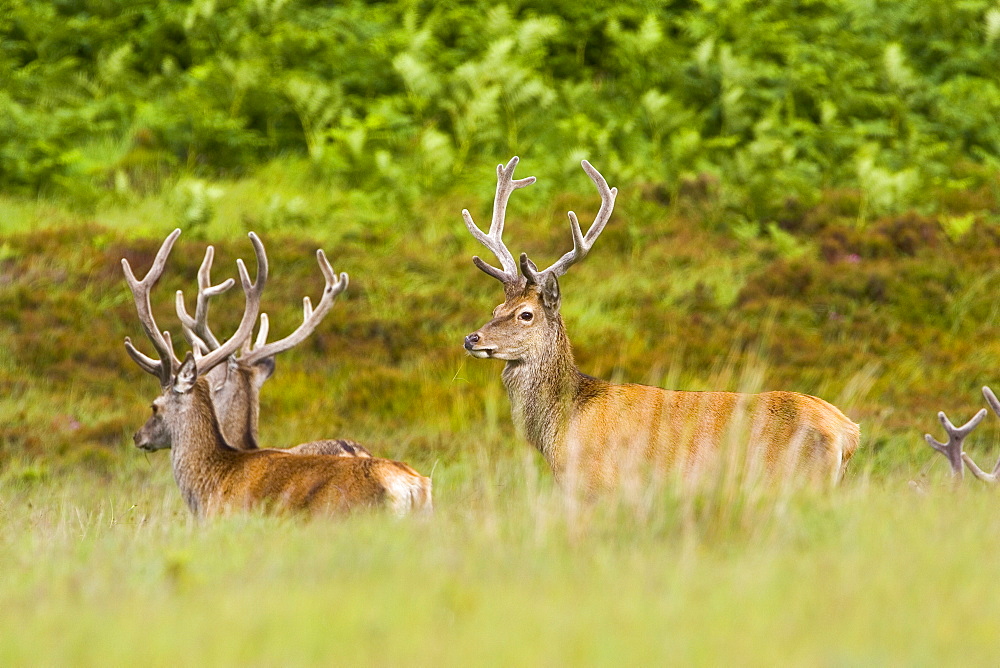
[953, 451]
[196, 328]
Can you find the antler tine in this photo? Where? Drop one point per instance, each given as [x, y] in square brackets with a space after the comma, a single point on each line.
[198, 347]
[140, 294]
[581, 243]
[952, 450]
[261, 339]
[187, 322]
[199, 323]
[310, 318]
[253, 292]
[991, 399]
[493, 241]
[148, 364]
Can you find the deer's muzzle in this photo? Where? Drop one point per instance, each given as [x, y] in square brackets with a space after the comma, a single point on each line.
[472, 345]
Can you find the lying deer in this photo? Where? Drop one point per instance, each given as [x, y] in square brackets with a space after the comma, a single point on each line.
[213, 476]
[236, 385]
[952, 450]
[591, 431]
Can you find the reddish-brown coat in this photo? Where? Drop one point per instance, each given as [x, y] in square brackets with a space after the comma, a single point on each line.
[215, 478]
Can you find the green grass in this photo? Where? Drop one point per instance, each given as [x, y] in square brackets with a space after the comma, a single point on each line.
[112, 569]
[891, 321]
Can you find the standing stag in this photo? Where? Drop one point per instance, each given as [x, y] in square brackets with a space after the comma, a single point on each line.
[236, 385]
[213, 476]
[952, 450]
[592, 432]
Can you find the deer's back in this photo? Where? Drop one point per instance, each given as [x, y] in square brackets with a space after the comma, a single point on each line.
[320, 484]
[339, 447]
[615, 427]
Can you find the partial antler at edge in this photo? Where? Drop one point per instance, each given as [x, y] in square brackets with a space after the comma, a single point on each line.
[991, 478]
[952, 450]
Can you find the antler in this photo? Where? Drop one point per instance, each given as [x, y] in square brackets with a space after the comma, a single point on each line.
[310, 318]
[581, 243]
[168, 362]
[203, 340]
[508, 274]
[198, 325]
[265, 326]
[952, 450]
[992, 478]
[253, 292]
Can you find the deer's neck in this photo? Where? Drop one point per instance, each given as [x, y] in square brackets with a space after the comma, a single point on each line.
[237, 402]
[200, 455]
[543, 391]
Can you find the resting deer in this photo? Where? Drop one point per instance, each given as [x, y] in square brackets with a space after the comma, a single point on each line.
[236, 385]
[213, 476]
[952, 450]
[591, 431]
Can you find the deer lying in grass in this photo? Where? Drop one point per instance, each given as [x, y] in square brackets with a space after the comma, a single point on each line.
[592, 432]
[214, 477]
[236, 385]
[952, 450]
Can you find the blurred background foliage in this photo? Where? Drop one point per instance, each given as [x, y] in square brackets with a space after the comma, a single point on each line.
[769, 103]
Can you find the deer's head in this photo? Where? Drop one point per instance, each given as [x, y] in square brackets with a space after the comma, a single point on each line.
[236, 385]
[155, 435]
[528, 320]
[171, 406]
[523, 326]
[234, 379]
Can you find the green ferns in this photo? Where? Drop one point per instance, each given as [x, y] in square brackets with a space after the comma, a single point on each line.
[775, 101]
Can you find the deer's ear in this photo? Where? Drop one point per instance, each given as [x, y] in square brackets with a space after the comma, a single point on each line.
[186, 375]
[551, 297]
[546, 281]
[262, 370]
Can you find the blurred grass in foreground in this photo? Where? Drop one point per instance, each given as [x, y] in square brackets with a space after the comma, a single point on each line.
[110, 570]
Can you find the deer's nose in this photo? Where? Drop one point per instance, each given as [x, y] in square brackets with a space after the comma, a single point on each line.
[471, 340]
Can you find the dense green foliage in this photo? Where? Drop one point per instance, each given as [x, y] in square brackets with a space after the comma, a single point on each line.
[774, 100]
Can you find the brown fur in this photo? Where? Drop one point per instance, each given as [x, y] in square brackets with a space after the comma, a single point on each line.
[592, 432]
[214, 477]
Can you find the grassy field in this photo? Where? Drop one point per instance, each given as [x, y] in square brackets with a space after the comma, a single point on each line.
[110, 569]
[892, 319]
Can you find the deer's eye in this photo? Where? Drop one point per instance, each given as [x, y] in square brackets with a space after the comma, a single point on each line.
[153, 406]
[526, 316]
